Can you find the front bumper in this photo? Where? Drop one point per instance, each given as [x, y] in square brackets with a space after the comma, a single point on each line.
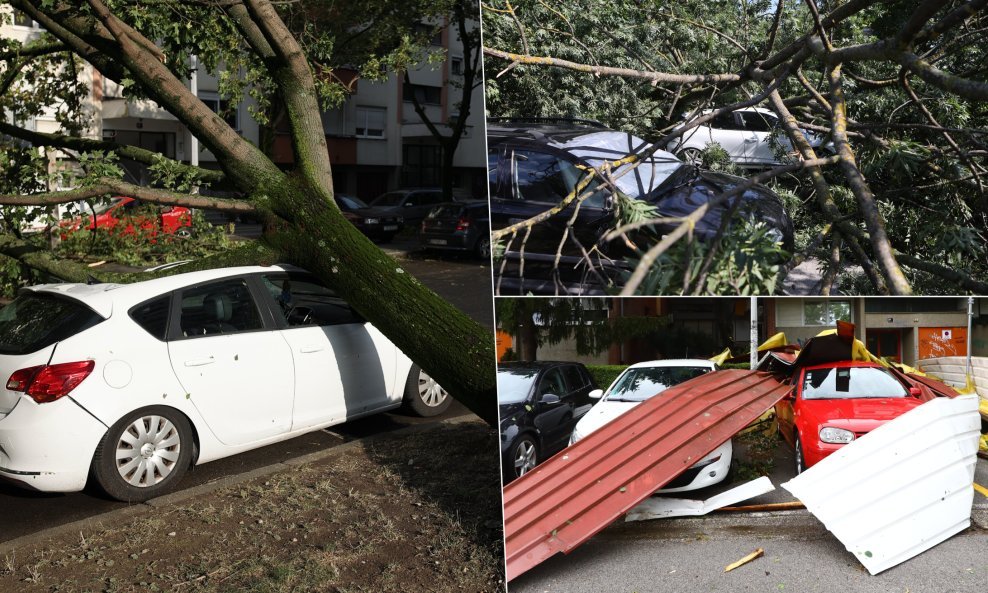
[703, 474]
[48, 447]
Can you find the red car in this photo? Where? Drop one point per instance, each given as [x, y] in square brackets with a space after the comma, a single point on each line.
[172, 220]
[837, 402]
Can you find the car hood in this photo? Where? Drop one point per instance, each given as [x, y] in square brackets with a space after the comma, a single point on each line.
[856, 415]
[600, 414]
[689, 188]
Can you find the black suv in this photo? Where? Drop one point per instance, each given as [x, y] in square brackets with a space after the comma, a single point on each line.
[534, 164]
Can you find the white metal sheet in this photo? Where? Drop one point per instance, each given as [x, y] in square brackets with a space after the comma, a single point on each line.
[900, 489]
[661, 507]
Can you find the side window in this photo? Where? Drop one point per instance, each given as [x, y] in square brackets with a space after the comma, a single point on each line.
[724, 121]
[574, 378]
[434, 197]
[493, 159]
[303, 301]
[542, 178]
[219, 308]
[552, 382]
[152, 316]
[756, 122]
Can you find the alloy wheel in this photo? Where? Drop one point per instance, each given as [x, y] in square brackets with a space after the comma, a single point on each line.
[524, 457]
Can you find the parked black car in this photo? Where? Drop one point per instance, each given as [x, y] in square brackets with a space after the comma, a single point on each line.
[378, 224]
[534, 164]
[411, 204]
[539, 404]
[458, 226]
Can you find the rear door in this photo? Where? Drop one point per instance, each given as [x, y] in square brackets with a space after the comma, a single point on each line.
[344, 367]
[234, 365]
[758, 131]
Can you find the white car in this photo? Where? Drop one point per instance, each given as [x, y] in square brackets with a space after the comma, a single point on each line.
[745, 135]
[134, 383]
[643, 381]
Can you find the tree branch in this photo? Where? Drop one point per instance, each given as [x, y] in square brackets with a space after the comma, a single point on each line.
[117, 187]
[134, 153]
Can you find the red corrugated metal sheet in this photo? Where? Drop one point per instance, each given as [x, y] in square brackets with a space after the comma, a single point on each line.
[583, 489]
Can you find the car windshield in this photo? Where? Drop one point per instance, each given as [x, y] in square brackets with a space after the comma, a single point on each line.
[514, 384]
[34, 321]
[639, 384]
[636, 182]
[394, 198]
[349, 202]
[851, 382]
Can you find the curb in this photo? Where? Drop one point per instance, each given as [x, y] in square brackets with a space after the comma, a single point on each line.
[121, 515]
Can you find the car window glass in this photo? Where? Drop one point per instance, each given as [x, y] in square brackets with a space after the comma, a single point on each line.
[218, 308]
[542, 178]
[552, 382]
[303, 301]
[756, 122]
[492, 180]
[639, 384]
[152, 316]
[574, 378]
[724, 121]
[850, 382]
[34, 321]
[434, 197]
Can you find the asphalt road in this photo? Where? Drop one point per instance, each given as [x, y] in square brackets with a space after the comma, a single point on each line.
[675, 555]
[465, 282]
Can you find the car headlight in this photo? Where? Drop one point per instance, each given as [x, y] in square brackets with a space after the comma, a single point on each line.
[372, 220]
[838, 436]
[575, 436]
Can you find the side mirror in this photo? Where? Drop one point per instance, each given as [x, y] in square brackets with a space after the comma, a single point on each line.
[915, 392]
[596, 394]
[549, 398]
[791, 396]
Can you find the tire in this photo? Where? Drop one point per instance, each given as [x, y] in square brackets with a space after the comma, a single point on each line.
[692, 156]
[483, 247]
[130, 441]
[423, 396]
[522, 458]
[800, 460]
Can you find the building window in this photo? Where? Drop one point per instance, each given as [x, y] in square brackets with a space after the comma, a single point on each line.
[432, 32]
[421, 165]
[21, 19]
[826, 312]
[370, 122]
[426, 95]
[222, 108]
[456, 66]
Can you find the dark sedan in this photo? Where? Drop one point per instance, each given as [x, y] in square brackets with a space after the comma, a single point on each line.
[534, 165]
[456, 226]
[379, 225]
[539, 404]
[411, 204]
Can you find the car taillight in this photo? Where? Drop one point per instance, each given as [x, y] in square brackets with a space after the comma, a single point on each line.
[48, 383]
[463, 223]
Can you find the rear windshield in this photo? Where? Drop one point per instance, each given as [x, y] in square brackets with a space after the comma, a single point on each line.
[34, 321]
[446, 210]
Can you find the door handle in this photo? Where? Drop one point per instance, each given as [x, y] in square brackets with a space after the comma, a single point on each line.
[200, 362]
[310, 349]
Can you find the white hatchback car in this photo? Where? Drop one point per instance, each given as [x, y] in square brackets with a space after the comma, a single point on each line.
[745, 136]
[132, 384]
[643, 381]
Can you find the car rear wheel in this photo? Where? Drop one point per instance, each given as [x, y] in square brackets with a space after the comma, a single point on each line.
[144, 454]
[483, 247]
[524, 456]
[692, 156]
[800, 462]
[423, 395]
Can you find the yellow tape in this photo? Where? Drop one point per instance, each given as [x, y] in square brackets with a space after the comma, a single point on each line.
[981, 489]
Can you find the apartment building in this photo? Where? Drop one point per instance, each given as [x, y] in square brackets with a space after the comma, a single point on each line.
[376, 140]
